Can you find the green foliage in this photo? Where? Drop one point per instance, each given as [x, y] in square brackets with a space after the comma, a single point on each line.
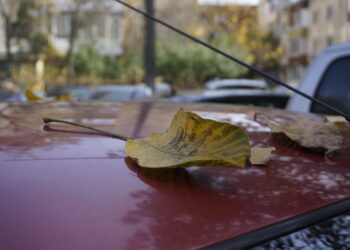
[240, 24]
[26, 21]
[126, 69]
[40, 44]
[88, 61]
[190, 64]
[184, 65]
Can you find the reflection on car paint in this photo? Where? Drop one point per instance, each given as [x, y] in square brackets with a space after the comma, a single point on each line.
[239, 119]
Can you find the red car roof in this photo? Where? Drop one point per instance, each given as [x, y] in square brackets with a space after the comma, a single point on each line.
[65, 188]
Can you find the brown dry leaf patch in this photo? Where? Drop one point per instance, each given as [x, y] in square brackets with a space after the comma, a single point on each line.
[325, 138]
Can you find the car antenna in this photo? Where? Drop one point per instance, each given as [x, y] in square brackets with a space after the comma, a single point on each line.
[232, 58]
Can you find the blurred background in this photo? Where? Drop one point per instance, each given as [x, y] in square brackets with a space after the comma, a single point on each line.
[97, 49]
[53, 47]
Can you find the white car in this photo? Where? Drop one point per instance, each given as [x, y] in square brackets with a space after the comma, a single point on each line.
[235, 84]
[328, 79]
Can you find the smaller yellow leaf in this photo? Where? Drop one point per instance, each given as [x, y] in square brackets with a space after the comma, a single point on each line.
[260, 156]
[63, 97]
[335, 119]
[32, 96]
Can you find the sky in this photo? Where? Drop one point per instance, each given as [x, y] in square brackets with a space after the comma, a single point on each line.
[251, 2]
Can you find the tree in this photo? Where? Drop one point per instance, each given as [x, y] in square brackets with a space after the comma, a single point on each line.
[20, 30]
[75, 22]
[149, 47]
[9, 12]
[83, 14]
[240, 23]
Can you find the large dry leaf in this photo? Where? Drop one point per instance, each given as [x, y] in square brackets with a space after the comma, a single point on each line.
[192, 141]
[325, 138]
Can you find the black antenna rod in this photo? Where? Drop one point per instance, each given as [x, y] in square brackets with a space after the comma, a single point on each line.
[263, 74]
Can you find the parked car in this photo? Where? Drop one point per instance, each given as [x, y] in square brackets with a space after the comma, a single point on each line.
[8, 91]
[11, 96]
[236, 91]
[112, 92]
[236, 84]
[120, 92]
[81, 93]
[328, 79]
[67, 188]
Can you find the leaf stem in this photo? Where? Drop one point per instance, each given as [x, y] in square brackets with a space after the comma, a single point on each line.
[104, 132]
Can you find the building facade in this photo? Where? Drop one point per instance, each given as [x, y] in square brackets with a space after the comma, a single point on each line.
[304, 28]
[329, 24]
[2, 37]
[101, 24]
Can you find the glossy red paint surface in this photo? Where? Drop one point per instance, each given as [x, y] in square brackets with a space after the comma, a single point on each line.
[63, 189]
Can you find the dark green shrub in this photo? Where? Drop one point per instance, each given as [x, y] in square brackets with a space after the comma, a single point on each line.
[125, 69]
[88, 61]
[191, 65]
[185, 65]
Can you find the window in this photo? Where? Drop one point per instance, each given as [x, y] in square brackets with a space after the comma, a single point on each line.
[303, 45]
[101, 29]
[304, 17]
[293, 73]
[315, 17]
[329, 14]
[294, 46]
[296, 18]
[116, 27]
[334, 87]
[315, 45]
[62, 25]
[329, 41]
[271, 7]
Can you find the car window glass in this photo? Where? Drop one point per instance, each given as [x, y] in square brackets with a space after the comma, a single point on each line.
[334, 87]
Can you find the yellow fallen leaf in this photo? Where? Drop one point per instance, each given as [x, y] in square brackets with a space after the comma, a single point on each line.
[32, 96]
[335, 119]
[192, 141]
[260, 156]
[63, 97]
[325, 138]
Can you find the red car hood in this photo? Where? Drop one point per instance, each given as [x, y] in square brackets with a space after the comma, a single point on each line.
[66, 188]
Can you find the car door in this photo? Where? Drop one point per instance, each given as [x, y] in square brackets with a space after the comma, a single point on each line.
[334, 87]
[322, 79]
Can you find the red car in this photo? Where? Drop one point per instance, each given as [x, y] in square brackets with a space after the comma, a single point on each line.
[63, 187]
